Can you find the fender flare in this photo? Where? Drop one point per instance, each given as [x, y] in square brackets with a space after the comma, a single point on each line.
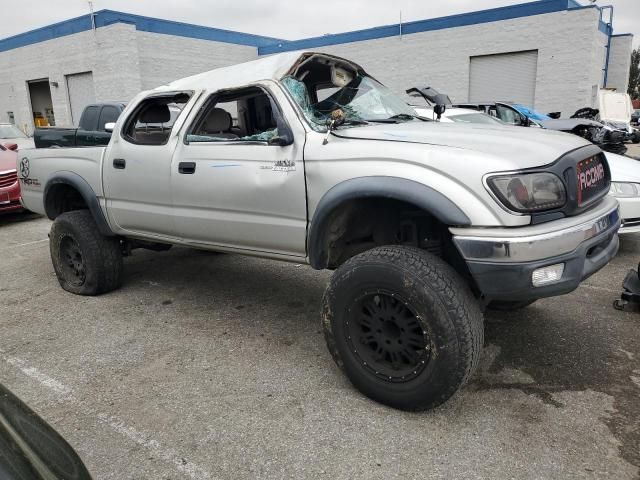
[84, 189]
[395, 188]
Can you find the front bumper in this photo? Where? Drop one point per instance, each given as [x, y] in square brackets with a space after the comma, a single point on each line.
[10, 198]
[502, 260]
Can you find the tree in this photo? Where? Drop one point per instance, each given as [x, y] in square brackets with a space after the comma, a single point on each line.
[634, 74]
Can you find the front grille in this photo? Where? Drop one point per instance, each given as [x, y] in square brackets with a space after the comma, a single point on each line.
[8, 179]
[586, 176]
[592, 179]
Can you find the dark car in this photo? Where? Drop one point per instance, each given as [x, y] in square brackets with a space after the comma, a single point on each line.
[91, 131]
[30, 448]
[606, 137]
[635, 116]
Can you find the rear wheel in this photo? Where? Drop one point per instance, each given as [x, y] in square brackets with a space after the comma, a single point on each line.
[85, 261]
[403, 326]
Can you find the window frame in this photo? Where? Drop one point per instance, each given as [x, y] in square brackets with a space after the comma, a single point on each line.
[213, 99]
[86, 110]
[127, 121]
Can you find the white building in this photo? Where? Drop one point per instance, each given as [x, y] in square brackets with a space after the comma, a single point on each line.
[551, 54]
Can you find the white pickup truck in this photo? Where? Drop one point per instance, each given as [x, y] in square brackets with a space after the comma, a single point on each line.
[304, 157]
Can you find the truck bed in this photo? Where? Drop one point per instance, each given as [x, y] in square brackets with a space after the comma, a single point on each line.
[46, 137]
[85, 162]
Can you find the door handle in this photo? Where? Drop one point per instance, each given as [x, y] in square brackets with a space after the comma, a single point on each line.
[187, 168]
[119, 163]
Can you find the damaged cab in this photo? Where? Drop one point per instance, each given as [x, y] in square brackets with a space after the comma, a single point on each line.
[304, 157]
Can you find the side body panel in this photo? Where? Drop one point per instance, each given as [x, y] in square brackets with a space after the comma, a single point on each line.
[456, 173]
[42, 165]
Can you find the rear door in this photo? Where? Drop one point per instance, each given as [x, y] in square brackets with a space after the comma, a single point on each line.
[137, 166]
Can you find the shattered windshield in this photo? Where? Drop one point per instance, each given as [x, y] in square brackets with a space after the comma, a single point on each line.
[362, 100]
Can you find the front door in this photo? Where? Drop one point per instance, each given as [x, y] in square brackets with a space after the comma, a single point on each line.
[237, 179]
[137, 168]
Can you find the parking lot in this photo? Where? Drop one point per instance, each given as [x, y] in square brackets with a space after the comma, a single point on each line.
[214, 366]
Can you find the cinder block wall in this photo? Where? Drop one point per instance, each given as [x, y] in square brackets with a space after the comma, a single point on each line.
[122, 59]
[164, 58]
[110, 54]
[620, 62]
[570, 54]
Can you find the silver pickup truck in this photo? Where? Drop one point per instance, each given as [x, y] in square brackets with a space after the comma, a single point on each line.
[304, 157]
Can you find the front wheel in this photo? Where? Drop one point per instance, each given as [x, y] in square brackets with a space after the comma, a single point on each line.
[85, 261]
[403, 326]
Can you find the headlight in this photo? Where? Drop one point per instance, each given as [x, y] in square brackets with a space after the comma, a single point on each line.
[625, 189]
[529, 192]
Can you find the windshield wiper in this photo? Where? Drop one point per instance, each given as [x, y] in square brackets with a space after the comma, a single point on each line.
[353, 122]
[408, 116]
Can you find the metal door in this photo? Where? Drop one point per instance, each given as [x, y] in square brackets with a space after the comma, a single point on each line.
[81, 93]
[504, 77]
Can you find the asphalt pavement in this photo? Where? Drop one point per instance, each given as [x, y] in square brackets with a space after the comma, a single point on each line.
[207, 366]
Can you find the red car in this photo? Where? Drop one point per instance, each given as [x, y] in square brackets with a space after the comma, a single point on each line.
[9, 184]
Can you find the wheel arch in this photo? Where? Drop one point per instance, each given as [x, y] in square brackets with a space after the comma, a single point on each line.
[392, 188]
[64, 182]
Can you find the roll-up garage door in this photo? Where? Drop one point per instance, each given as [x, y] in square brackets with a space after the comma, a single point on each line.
[505, 76]
[81, 93]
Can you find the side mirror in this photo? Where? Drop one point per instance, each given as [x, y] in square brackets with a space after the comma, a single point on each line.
[109, 127]
[11, 146]
[440, 106]
[281, 140]
[439, 109]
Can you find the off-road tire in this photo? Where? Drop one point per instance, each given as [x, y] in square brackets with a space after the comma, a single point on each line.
[444, 307]
[98, 258]
[505, 306]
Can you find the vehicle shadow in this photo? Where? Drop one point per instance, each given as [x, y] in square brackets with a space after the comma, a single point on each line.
[576, 342]
[17, 217]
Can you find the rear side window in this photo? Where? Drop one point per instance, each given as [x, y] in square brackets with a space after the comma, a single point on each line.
[109, 114]
[153, 119]
[89, 119]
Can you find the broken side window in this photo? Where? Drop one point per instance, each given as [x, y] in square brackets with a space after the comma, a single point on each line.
[246, 115]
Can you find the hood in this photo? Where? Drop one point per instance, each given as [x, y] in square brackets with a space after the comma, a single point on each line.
[521, 147]
[623, 169]
[7, 160]
[615, 106]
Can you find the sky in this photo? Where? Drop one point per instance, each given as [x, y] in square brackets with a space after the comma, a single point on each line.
[287, 19]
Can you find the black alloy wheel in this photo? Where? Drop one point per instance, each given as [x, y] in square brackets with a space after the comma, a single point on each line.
[386, 336]
[72, 261]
